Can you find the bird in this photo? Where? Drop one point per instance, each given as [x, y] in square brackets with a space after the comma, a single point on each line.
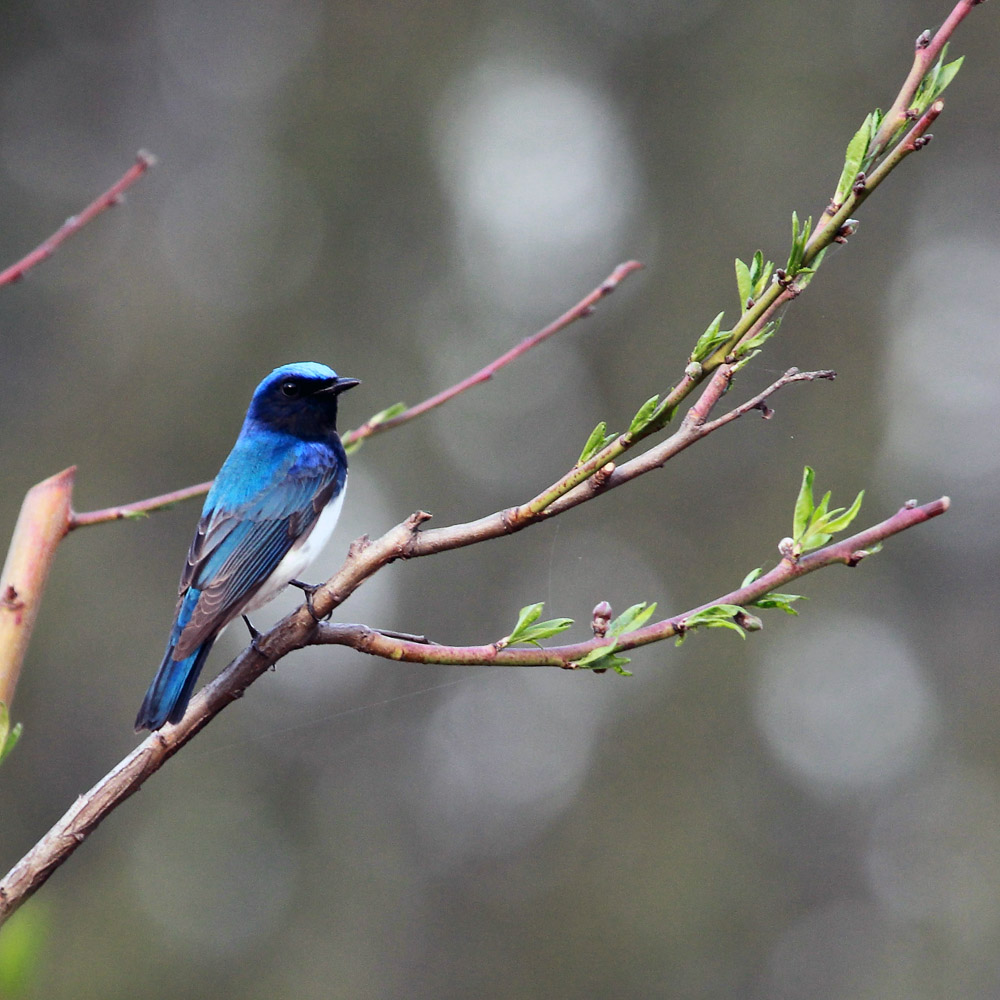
[271, 509]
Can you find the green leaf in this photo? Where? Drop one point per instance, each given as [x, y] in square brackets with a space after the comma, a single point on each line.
[641, 420]
[794, 254]
[717, 616]
[813, 539]
[766, 333]
[782, 602]
[635, 617]
[598, 440]
[947, 74]
[605, 658]
[387, 414]
[803, 505]
[744, 284]
[835, 524]
[814, 525]
[877, 117]
[527, 631]
[8, 735]
[530, 613]
[938, 77]
[712, 615]
[710, 339]
[744, 360]
[857, 149]
[763, 280]
[596, 655]
[822, 509]
[543, 630]
[753, 575]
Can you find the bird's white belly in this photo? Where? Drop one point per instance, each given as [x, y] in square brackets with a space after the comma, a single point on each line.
[300, 555]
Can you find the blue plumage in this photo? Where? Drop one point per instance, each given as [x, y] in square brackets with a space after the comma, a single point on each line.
[270, 510]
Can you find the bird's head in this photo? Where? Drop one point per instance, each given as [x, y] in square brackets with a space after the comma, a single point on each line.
[300, 399]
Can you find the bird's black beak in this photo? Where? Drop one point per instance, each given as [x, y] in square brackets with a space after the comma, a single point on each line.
[339, 385]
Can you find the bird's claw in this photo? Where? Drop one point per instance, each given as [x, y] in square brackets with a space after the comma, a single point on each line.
[255, 633]
[308, 589]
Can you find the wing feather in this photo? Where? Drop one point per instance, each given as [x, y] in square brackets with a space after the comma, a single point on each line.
[235, 550]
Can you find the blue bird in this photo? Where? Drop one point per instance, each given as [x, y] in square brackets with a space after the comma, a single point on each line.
[269, 512]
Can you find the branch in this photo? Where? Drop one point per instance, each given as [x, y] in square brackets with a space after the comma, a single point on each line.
[111, 197]
[584, 307]
[40, 527]
[600, 478]
[716, 359]
[927, 50]
[139, 509]
[299, 629]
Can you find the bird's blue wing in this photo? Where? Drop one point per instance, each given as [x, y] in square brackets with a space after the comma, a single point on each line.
[237, 547]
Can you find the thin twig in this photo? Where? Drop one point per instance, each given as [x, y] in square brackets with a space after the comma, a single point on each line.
[138, 509]
[113, 195]
[583, 308]
[926, 51]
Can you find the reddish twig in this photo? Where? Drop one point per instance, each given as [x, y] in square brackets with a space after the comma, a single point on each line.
[583, 308]
[75, 223]
[138, 509]
[849, 552]
[928, 48]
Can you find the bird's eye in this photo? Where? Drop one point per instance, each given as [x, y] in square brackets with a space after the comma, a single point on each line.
[290, 388]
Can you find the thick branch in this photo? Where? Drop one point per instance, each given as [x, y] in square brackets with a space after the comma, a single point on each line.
[298, 630]
[41, 525]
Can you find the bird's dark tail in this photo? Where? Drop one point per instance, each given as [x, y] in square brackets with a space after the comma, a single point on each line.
[168, 696]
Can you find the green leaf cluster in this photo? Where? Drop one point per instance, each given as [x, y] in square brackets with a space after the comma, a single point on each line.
[8, 735]
[529, 630]
[606, 657]
[752, 279]
[782, 602]
[815, 524]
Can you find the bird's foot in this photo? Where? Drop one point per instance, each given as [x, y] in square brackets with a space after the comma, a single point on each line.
[308, 589]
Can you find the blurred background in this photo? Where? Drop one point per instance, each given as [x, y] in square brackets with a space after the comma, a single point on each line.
[403, 191]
